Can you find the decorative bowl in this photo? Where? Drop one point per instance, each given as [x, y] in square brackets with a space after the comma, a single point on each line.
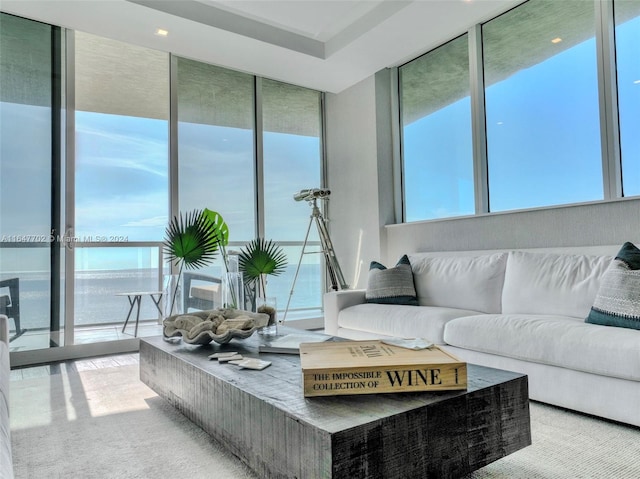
[202, 327]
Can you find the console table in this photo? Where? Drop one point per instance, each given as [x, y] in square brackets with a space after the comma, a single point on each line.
[263, 418]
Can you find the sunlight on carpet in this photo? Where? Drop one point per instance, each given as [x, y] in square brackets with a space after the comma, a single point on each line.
[107, 424]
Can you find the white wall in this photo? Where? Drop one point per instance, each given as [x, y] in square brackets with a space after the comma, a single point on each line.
[360, 175]
[352, 176]
[594, 224]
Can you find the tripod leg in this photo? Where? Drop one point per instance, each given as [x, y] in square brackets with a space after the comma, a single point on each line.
[295, 277]
[332, 262]
[327, 258]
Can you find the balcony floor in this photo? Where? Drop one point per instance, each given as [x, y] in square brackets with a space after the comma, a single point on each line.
[40, 339]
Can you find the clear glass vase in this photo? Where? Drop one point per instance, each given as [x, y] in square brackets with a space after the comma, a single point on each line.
[172, 295]
[233, 291]
[268, 306]
[232, 283]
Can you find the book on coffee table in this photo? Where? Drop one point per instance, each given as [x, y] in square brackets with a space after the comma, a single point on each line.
[369, 367]
[290, 343]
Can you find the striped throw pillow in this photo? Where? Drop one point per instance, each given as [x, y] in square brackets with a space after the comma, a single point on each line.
[618, 300]
[391, 285]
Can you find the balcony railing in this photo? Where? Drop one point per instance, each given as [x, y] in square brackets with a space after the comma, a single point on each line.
[104, 269]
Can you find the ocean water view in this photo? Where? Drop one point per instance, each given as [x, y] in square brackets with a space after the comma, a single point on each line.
[97, 301]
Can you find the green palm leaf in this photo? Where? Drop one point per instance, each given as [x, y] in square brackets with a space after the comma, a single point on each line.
[261, 257]
[191, 240]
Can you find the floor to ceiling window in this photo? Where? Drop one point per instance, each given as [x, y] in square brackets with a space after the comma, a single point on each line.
[216, 155]
[121, 179]
[27, 277]
[292, 151]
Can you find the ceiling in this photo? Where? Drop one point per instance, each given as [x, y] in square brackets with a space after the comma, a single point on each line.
[326, 45]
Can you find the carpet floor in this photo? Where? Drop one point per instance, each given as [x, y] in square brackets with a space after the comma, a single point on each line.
[105, 423]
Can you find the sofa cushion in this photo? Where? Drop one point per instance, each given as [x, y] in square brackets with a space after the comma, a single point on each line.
[618, 300]
[556, 284]
[556, 340]
[391, 285]
[465, 282]
[400, 320]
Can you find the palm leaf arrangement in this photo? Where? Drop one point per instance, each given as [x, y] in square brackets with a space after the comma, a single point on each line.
[191, 242]
[260, 258]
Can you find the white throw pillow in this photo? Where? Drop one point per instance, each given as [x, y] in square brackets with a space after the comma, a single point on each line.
[547, 283]
[464, 282]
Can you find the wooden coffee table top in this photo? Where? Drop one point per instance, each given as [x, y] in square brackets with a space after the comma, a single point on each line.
[281, 384]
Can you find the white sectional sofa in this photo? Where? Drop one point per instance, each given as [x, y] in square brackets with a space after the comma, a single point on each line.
[6, 463]
[519, 310]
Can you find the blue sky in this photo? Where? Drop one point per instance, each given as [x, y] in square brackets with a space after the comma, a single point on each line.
[122, 177]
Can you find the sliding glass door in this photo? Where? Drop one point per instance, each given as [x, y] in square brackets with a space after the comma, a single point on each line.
[30, 169]
[80, 225]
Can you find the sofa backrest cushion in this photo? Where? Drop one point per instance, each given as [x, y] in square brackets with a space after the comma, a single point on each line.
[464, 282]
[547, 283]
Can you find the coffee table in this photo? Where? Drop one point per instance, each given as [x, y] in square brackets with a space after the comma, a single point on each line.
[263, 418]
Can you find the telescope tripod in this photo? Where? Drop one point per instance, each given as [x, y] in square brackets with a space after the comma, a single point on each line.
[333, 267]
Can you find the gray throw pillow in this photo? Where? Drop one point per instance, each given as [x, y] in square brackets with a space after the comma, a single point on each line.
[618, 300]
[391, 285]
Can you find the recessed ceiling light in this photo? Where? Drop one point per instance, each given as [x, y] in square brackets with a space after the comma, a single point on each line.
[161, 32]
[637, 82]
[556, 40]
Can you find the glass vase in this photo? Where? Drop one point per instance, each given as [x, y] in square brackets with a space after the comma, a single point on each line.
[232, 291]
[172, 295]
[268, 306]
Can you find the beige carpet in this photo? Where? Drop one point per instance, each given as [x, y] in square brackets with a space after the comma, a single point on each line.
[106, 424]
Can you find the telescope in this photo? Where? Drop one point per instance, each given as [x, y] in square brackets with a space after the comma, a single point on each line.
[311, 194]
[333, 268]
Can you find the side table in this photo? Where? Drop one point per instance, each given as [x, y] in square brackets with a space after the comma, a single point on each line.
[134, 299]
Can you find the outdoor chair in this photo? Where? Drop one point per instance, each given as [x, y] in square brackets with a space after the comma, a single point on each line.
[10, 303]
[201, 291]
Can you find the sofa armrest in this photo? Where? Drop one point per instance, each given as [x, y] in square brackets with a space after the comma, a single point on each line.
[4, 328]
[335, 301]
